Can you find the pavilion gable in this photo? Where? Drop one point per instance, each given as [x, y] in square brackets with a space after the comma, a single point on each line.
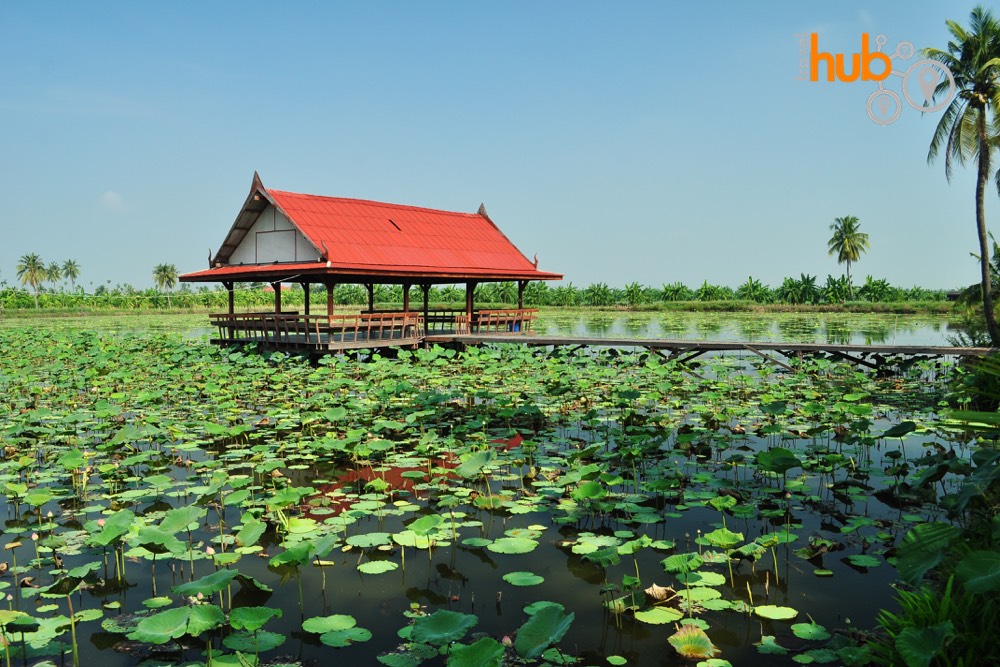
[273, 239]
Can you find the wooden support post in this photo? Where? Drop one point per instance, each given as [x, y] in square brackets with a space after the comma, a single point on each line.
[371, 297]
[521, 284]
[406, 297]
[231, 331]
[426, 289]
[768, 358]
[329, 303]
[305, 304]
[470, 288]
[277, 296]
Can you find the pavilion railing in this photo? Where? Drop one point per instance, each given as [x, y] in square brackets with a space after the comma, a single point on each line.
[293, 331]
[509, 320]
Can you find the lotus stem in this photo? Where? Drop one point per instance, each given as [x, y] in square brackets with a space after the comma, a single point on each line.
[72, 631]
[17, 587]
[774, 555]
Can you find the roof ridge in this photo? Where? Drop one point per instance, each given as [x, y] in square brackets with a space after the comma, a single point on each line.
[373, 201]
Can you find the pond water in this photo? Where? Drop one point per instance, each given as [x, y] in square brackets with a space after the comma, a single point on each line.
[853, 328]
[478, 484]
[843, 328]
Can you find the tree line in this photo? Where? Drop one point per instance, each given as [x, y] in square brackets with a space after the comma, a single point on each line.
[805, 289]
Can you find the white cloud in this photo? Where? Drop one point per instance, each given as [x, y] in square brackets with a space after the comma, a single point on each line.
[113, 201]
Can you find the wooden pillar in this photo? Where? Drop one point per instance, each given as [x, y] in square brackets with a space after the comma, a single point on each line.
[277, 296]
[305, 305]
[426, 289]
[521, 284]
[329, 302]
[470, 288]
[232, 308]
[371, 297]
[406, 297]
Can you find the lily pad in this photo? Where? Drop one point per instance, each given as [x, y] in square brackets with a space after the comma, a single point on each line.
[545, 628]
[512, 545]
[442, 627]
[775, 613]
[377, 567]
[487, 652]
[523, 578]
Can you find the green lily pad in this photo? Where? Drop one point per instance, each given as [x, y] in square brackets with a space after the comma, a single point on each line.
[863, 560]
[487, 652]
[249, 642]
[207, 585]
[162, 627]
[343, 638]
[659, 615]
[252, 618]
[512, 545]
[546, 627]
[812, 631]
[442, 627]
[321, 624]
[775, 613]
[769, 646]
[377, 566]
[523, 578]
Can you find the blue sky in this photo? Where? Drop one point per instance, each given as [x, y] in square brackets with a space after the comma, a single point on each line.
[648, 141]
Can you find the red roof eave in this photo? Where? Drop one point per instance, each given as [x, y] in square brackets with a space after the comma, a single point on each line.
[254, 272]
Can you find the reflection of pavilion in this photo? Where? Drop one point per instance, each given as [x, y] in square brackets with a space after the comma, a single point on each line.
[284, 237]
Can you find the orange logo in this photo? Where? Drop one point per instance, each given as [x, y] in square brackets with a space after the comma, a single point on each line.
[835, 64]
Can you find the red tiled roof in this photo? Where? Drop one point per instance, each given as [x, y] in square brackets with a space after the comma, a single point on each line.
[374, 238]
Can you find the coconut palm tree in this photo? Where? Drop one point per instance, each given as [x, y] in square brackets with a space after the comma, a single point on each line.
[31, 270]
[71, 271]
[53, 272]
[848, 243]
[165, 277]
[968, 127]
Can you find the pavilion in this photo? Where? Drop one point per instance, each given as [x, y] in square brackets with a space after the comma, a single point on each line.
[285, 237]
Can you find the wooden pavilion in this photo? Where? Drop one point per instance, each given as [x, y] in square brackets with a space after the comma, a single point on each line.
[285, 237]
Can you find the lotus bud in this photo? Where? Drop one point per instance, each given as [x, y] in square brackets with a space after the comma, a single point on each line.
[210, 551]
[100, 523]
[34, 537]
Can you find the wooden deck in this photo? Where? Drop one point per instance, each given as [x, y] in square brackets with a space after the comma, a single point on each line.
[290, 332]
[873, 356]
[321, 334]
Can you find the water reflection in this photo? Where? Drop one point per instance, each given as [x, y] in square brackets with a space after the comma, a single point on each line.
[798, 329]
[839, 328]
[753, 328]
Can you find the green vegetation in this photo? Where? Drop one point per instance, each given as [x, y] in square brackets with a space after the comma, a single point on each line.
[31, 271]
[848, 243]
[804, 291]
[967, 129]
[619, 499]
[165, 277]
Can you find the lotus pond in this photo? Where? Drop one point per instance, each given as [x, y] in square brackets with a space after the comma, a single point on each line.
[167, 502]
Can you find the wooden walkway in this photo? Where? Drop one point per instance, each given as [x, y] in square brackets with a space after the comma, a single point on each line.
[872, 356]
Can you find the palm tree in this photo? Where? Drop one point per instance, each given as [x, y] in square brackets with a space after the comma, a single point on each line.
[71, 270]
[165, 277]
[968, 128]
[847, 243]
[53, 272]
[31, 270]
